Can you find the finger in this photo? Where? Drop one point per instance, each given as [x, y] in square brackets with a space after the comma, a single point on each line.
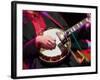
[46, 46]
[52, 41]
[51, 46]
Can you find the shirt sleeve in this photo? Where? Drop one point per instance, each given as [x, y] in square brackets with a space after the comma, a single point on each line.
[30, 48]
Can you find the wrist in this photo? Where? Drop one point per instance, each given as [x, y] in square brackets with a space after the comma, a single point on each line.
[38, 41]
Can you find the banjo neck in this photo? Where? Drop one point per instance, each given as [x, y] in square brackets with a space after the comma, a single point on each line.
[76, 27]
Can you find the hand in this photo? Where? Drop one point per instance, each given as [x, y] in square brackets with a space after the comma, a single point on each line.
[46, 42]
[89, 43]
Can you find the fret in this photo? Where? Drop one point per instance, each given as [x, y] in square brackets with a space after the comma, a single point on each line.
[76, 27]
[73, 28]
[81, 23]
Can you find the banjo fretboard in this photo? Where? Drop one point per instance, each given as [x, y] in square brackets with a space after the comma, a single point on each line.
[76, 26]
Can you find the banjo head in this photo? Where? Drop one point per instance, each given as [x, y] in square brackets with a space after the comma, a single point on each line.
[60, 51]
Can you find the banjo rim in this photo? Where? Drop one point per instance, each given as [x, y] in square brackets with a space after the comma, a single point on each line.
[51, 59]
[54, 59]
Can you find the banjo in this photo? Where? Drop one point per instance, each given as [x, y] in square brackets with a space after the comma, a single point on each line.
[63, 43]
